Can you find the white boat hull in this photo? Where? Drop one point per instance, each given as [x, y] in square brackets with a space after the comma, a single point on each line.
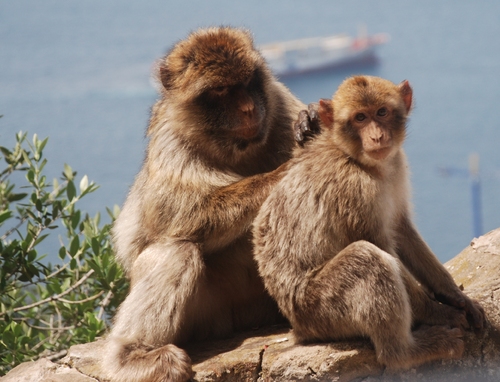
[307, 55]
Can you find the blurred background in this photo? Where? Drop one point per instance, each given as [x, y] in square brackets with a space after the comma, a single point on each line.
[79, 72]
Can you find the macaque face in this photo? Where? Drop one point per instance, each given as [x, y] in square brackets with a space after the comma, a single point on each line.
[235, 112]
[369, 117]
[376, 130]
[219, 81]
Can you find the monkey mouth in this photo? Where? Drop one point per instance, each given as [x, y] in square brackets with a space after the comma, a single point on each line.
[379, 154]
[247, 132]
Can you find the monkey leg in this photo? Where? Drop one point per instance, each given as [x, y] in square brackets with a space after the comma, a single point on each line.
[151, 319]
[178, 295]
[361, 292]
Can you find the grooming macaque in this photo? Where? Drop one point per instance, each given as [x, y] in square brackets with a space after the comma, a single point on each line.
[217, 138]
[335, 244]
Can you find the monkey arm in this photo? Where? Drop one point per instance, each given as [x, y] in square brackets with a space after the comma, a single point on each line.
[421, 261]
[424, 265]
[227, 212]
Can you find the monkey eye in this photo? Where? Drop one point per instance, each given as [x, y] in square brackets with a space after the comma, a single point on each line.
[360, 117]
[382, 112]
[219, 90]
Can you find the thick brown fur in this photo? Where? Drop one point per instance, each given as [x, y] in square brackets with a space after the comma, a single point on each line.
[217, 137]
[335, 244]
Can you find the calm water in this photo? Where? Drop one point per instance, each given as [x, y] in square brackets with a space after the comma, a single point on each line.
[79, 72]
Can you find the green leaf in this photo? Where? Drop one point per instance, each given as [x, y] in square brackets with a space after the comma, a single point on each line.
[41, 144]
[27, 158]
[70, 190]
[56, 287]
[62, 253]
[40, 239]
[75, 219]
[6, 152]
[30, 175]
[17, 329]
[4, 215]
[16, 197]
[68, 172]
[96, 247]
[42, 165]
[96, 267]
[74, 246]
[113, 270]
[97, 219]
[84, 183]
[32, 255]
[9, 339]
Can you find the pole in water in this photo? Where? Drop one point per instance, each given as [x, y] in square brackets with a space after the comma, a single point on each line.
[477, 219]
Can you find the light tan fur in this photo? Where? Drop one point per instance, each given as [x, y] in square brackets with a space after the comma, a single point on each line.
[335, 244]
[217, 138]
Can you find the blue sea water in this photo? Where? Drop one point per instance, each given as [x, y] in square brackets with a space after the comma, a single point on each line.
[79, 73]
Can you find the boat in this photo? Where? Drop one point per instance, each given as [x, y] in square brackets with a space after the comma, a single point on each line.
[295, 57]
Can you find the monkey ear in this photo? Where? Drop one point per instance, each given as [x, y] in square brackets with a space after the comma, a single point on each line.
[325, 112]
[406, 93]
[165, 77]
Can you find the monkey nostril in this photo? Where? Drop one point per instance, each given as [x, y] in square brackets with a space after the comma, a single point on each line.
[247, 108]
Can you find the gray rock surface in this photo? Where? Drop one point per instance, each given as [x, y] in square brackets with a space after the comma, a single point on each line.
[269, 354]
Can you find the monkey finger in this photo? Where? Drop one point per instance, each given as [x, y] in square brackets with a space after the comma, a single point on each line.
[299, 136]
[457, 300]
[313, 108]
[305, 126]
[303, 118]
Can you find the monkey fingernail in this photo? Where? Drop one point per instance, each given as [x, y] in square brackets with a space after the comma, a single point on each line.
[304, 126]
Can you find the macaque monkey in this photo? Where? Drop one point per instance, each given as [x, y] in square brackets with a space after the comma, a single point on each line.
[336, 246]
[218, 140]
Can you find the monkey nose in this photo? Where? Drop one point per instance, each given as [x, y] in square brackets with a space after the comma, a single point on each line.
[247, 107]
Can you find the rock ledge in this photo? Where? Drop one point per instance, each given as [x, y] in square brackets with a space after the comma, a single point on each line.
[269, 354]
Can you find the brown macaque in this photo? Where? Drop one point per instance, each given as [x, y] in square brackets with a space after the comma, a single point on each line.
[336, 246]
[219, 138]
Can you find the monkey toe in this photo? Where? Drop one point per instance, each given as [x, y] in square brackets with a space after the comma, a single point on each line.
[456, 344]
[456, 332]
[440, 342]
[457, 319]
[476, 315]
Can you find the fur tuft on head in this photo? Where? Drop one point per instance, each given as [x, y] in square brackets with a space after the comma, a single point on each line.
[368, 91]
[219, 56]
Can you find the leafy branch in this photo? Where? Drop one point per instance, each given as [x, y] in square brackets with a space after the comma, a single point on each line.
[46, 308]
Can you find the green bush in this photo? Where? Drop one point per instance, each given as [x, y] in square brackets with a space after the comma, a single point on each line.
[46, 308]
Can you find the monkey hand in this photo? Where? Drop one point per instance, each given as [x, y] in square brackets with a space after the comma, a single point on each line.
[307, 124]
[475, 312]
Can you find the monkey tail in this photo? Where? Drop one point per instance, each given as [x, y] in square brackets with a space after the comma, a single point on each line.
[136, 362]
